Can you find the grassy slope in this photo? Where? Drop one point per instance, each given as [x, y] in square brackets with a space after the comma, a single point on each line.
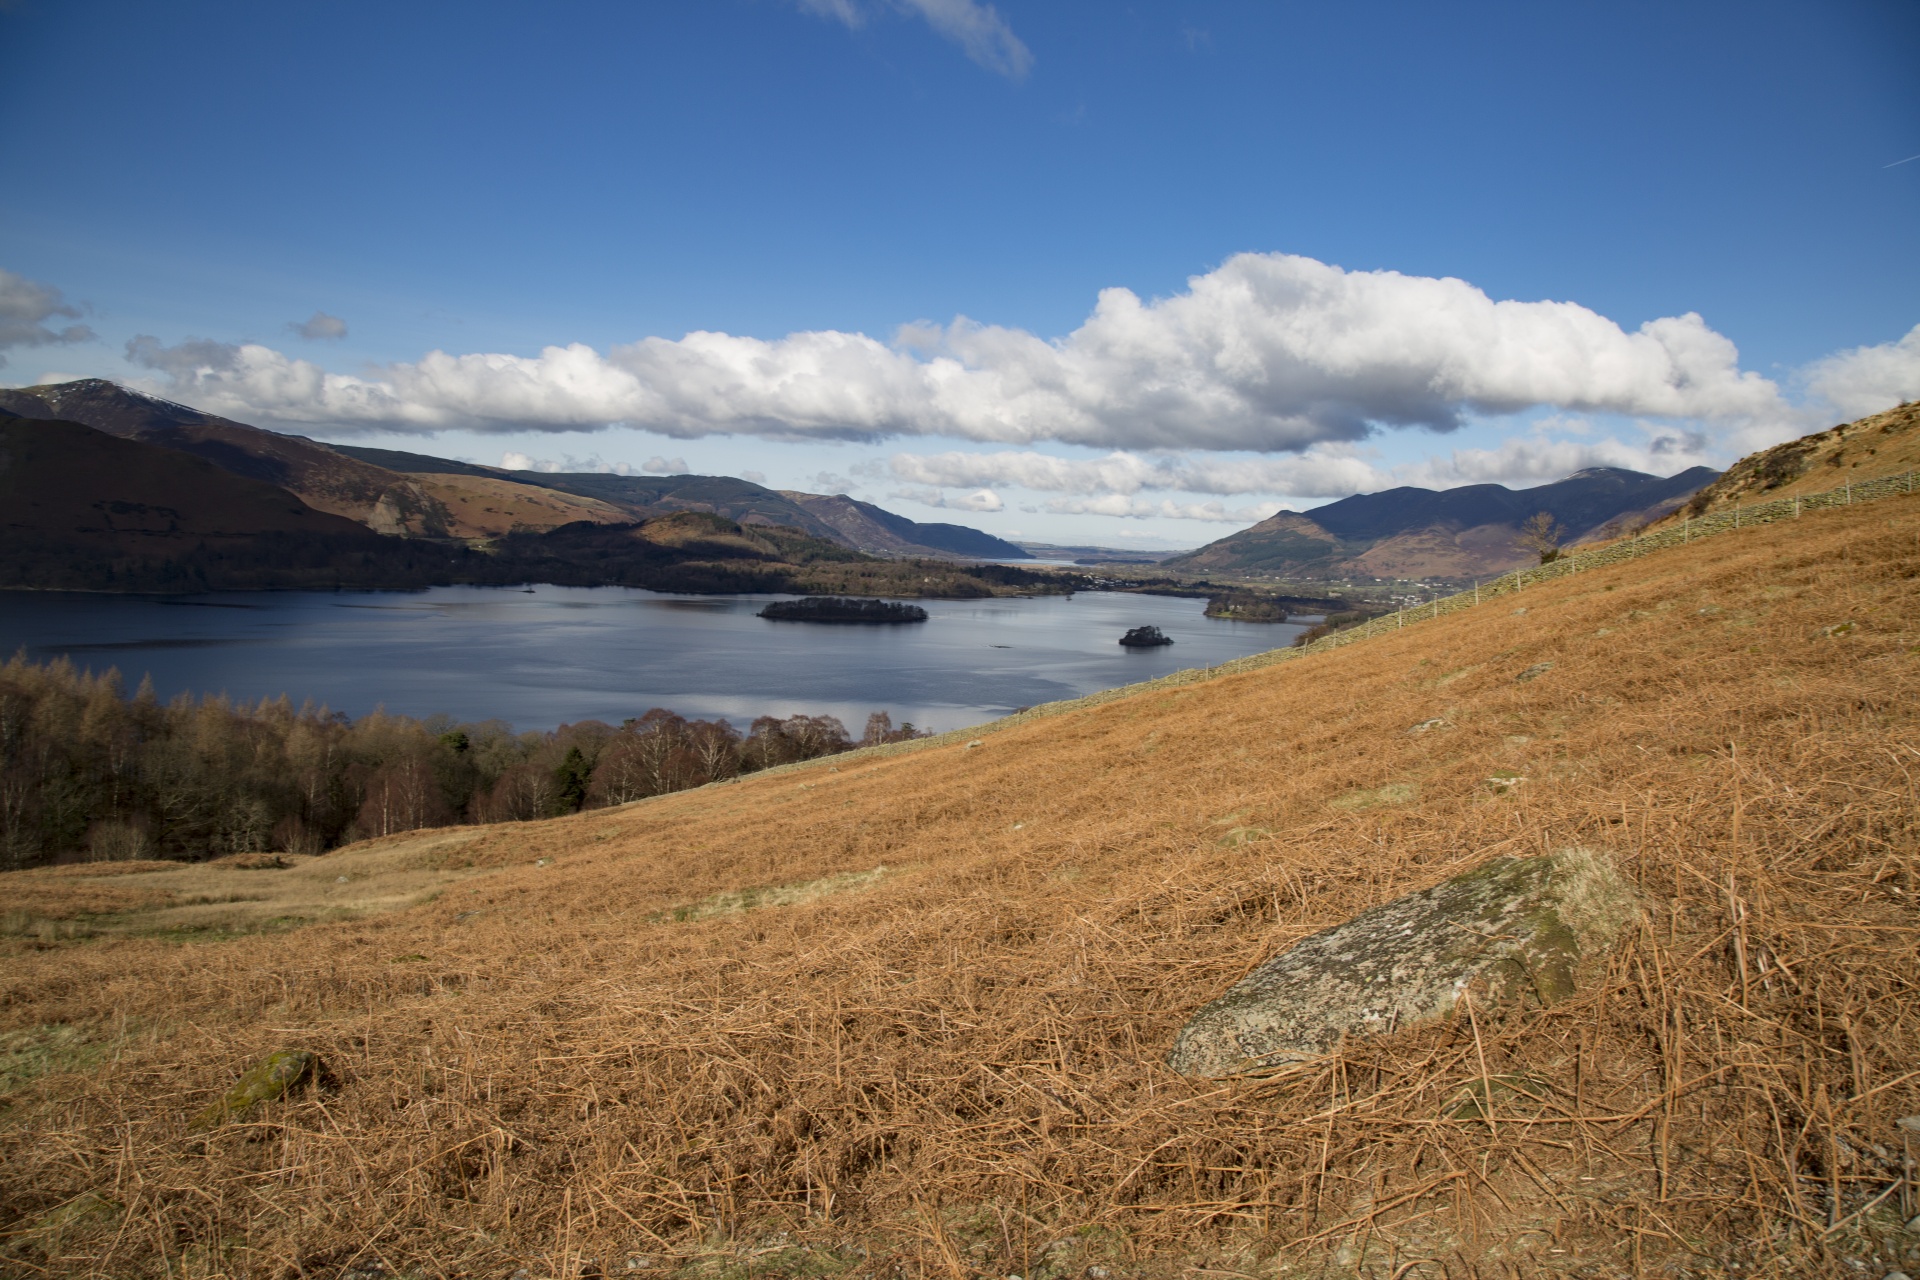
[1882, 444]
[957, 1063]
[481, 507]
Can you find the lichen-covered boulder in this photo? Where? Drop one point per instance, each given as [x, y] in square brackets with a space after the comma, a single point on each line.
[1513, 928]
[279, 1072]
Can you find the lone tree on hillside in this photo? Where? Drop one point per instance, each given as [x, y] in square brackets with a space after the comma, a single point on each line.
[1542, 533]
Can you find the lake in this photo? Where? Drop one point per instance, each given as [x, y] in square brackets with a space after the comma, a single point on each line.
[562, 654]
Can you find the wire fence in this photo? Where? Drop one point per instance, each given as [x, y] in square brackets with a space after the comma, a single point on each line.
[1690, 529]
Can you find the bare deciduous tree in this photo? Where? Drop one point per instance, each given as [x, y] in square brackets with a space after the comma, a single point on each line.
[1541, 534]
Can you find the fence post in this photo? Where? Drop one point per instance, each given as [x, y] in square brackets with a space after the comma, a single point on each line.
[1796, 506]
[1849, 493]
[1476, 591]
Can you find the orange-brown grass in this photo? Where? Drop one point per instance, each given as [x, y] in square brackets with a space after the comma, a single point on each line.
[956, 1067]
[1881, 444]
[483, 507]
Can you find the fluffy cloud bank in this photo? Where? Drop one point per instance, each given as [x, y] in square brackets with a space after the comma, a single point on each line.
[569, 465]
[1320, 472]
[26, 306]
[978, 500]
[1110, 485]
[1868, 379]
[1114, 504]
[1267, 353]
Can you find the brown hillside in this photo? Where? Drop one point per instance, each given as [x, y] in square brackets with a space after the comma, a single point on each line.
[477, 507]
[1883, 444]
[1483, 551]
[73, 485]
[907, 1014]
[318, 474]
[1280, 541]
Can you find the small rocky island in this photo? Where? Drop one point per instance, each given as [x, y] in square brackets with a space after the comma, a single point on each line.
[842, 609]
[1145, 638]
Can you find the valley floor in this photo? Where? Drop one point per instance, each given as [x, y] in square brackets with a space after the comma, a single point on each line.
[907, 1014]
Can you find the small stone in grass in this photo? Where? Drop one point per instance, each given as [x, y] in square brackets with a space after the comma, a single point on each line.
[1508, 929]
[1910, 1123]
[1535, 671]
[975, 743]
[271, 1079]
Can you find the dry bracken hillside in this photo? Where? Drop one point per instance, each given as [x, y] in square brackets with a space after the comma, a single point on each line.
[906, 1014]
[1882, 444]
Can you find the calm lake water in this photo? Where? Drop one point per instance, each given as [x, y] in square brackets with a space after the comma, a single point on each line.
[563, 654]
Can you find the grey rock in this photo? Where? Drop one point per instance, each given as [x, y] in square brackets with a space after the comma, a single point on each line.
[1510, 928]
[270, 1079]
[1535, 671]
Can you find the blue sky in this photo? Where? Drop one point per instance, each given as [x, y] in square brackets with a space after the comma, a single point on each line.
[1335, 227]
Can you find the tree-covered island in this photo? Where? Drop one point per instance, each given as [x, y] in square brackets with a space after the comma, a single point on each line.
[843, 609]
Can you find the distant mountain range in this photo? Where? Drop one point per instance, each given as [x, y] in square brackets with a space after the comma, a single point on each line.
[416, 495]
[176, 473]
[1473, 531]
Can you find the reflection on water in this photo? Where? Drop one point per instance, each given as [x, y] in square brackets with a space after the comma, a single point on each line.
[559, 654]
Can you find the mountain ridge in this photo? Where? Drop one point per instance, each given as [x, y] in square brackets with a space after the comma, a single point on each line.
[878, 531]
[1412, 532]
[318, 474]
[407, 494]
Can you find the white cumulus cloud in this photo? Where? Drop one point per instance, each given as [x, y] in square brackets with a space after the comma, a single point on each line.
[26, 306]
[1267, 353]
[1115, 504]
[1319, 472]
[1523, 462]
[660, 466]
[978, 500]
[593, 463]
[1868, 379]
